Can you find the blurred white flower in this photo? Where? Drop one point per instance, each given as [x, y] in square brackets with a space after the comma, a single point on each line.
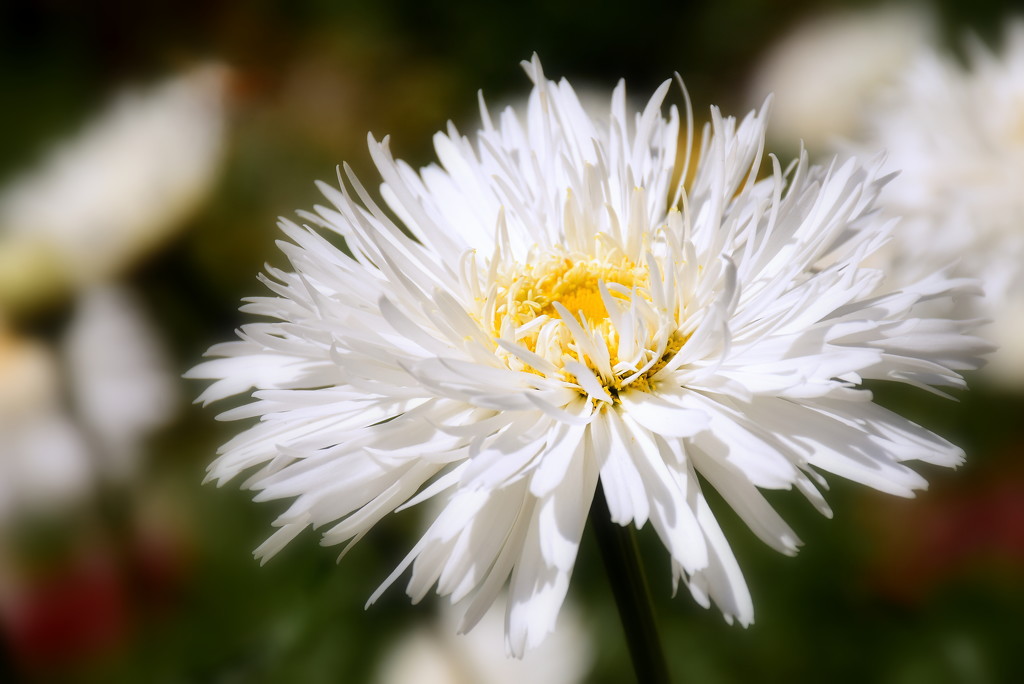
[554, 312]
[108, 196]
[43, 458]
[120, 381]
[80, 410]
[436, 655]
[827, 69]
[956, 136]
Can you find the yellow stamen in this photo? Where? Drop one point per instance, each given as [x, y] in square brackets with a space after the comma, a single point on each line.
[573, 284]
[532, 290]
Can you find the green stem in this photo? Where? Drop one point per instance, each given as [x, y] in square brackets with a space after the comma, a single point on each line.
[632, 597]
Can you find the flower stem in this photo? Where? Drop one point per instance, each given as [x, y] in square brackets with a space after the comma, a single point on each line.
[632, 597]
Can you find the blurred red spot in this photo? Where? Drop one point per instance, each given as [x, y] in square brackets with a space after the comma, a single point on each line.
[79, 612]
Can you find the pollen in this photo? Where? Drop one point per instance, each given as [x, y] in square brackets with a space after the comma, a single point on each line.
[575, 284]
[531, 300]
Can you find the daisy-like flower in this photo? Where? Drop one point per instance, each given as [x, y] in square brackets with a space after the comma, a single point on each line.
[550, 308]
[956, 133]
[80, 410]
[43, 457]
[110, 195]
[434, 654]
[823, 71]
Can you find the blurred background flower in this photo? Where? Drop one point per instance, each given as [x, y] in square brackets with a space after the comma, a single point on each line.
[827, 69]
[100, 201]
[149, 148]
[433, 653]
[43, 459]
[954, 129]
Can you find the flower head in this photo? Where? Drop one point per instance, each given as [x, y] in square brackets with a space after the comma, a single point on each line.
[552, 308]
[434, 654]
[78, 411]
[956, 134]
[823, 70]
[108, 196]
[43, 461]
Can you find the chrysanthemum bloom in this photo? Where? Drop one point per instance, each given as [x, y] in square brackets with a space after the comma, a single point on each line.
[825, 69]
[110, 195]
[434, 654]
[956, 134]
[549, 308]
[43, 461]
[110, 369]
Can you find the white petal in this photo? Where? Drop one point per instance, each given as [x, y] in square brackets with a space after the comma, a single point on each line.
[660, 415]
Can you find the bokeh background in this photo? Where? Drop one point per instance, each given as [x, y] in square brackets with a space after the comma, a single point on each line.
[118, 565]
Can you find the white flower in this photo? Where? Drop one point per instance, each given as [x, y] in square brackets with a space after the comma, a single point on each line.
[956, 135]
[112, 193]
[550, 310]
[435, 655]
[79, 410]
[829, 67]
[43, 459]
[119, 377]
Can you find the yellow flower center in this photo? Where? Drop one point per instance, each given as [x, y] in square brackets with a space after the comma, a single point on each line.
[526, 297]
[573, 284]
